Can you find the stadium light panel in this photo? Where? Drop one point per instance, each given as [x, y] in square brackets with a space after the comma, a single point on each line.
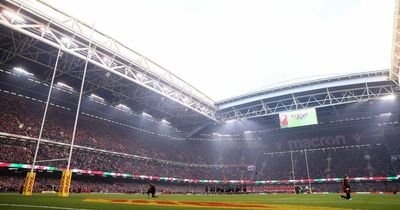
[389, 97]
[61, 84]
[122, 106]
[247, 132]
[96, 97]
[106, 60]
[230, 121]
[386, 114]
[22, 71]
[145, 114]
[165, 121]
[13, 16]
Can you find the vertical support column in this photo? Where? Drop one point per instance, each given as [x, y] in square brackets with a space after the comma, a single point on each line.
[28, 189]
[367, 89]
[294, 101]
[291, 158]
[308, 171]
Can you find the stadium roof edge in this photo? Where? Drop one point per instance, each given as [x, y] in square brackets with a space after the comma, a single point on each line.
[50, 27]
[312, 94]
[31, 5]
[87, 25]
[327, 79]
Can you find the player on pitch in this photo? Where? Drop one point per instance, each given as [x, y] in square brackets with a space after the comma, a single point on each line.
[346, 188]
[151, 191]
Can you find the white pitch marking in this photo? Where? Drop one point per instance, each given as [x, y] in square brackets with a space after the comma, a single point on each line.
[42, 207]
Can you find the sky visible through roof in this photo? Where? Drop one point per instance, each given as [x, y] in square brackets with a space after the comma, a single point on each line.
[226, 48]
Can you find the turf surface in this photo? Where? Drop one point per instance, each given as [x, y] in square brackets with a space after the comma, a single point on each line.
[89, 201]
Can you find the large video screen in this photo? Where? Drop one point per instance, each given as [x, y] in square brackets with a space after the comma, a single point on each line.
[298, 118]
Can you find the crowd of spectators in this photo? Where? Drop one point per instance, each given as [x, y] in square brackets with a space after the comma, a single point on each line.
[13, 182]
[23, 117]
[322, 164]
[355, 161]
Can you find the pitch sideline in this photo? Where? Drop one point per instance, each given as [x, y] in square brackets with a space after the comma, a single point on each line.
[42, 207]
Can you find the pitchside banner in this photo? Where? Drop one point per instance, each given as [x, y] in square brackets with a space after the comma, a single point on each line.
[298, 118]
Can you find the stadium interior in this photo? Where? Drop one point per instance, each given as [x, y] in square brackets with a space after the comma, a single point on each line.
[135, 126]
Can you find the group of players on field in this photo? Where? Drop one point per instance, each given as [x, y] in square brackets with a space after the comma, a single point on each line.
[345, 186]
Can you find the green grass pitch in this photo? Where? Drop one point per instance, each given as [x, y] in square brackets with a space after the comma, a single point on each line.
[283, 201]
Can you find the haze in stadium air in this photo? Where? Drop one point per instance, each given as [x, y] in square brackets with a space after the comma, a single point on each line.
[247, 45]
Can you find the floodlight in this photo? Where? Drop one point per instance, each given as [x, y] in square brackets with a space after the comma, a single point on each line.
[122, 106]
[145, 114]
[388, 114]
[389, 97]
[106, 60]
[247, 132]
[22, 71]
[13, 16]
[64, 85]
[165, 121]
[94, 96]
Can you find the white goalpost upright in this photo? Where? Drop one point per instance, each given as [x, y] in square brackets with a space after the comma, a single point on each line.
[30, 177]
[67, 174]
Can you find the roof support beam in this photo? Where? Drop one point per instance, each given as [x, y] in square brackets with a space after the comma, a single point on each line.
[324, 97]
[111, 58]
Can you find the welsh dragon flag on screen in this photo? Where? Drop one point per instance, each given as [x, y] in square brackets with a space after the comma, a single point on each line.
[298, 118]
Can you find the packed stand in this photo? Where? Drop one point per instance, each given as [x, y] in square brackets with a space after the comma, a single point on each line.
[23, 117]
